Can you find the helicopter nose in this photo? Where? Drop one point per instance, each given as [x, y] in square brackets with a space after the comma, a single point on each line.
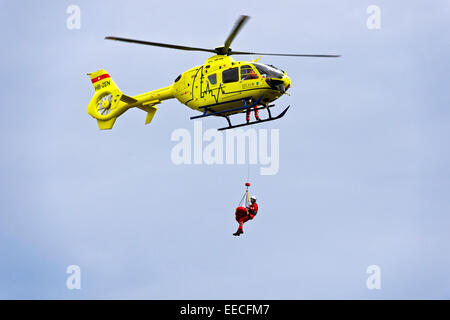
[286, 82]
[284, 85]
[280, 84]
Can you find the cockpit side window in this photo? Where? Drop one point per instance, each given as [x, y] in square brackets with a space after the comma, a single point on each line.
[230, 75]
[247, 73]
[212, 78]
[267, 71]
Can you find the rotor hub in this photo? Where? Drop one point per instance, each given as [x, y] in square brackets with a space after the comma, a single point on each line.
[221, 51]
[106, 103]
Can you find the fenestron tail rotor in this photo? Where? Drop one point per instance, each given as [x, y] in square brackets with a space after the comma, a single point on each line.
[104, 105]
[222, 50]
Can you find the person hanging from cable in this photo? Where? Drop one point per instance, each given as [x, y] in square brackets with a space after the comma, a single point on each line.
[245, 214]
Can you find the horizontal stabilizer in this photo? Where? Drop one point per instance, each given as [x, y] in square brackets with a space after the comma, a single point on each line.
[127, 99]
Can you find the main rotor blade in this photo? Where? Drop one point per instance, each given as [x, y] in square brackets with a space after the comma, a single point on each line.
[237, 27]
[158, 44]
[287, 54]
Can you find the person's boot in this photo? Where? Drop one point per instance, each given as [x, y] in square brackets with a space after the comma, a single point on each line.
[238, 232]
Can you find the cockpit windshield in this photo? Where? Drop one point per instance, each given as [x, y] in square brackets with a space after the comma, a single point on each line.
[268, 71]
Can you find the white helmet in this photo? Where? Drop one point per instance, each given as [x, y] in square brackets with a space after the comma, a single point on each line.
[253, 198]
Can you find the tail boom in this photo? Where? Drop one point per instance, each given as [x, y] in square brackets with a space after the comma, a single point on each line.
[109, 102]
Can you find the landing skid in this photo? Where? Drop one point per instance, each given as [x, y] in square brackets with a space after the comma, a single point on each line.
[230, 126]
[253, 107]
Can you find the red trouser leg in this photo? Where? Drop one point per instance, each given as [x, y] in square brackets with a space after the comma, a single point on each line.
[244, 220]
[256, 113]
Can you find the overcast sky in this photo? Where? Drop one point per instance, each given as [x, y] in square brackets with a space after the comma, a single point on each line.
[364, 153]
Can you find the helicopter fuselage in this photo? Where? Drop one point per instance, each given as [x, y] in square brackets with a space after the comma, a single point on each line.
[223, 83]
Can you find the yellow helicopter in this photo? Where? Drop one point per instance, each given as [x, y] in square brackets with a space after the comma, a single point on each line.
[220, 87]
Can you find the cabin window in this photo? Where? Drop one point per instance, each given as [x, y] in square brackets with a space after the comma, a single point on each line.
[212, 78]
[230, 75]
[247, 73]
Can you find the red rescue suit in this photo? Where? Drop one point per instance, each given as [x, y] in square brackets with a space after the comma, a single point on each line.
[245, 214]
